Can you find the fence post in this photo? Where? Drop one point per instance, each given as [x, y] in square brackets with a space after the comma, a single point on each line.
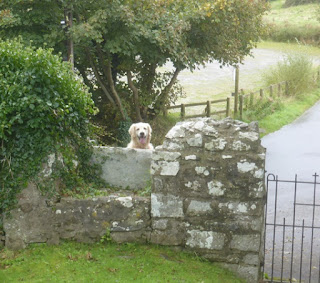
[271, 91]
[208, 109]
[287, 89]
[261, 93]
[279, 89]
[241, 105]
[183, 111]
[236, 91]
[228, 107]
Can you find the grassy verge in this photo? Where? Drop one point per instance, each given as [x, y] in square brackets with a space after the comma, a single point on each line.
[293, 23]
[75, 262]
[294, 107]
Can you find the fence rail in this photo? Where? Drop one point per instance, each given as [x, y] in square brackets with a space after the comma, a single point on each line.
[207, 110]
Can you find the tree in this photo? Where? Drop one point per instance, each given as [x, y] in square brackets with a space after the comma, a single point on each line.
[121, 45]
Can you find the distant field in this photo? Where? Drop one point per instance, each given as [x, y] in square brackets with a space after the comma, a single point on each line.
[294, 23]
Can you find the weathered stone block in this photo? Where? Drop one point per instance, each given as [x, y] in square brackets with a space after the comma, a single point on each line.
[205, 240]
[199, 207]
[166, 206]
[247, 243]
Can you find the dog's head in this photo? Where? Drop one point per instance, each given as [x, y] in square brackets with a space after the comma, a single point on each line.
[141, 132]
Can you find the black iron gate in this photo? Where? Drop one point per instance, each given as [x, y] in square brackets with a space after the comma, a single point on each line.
[292, 226]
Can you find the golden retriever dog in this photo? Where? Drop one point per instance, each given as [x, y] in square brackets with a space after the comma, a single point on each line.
[140, 136]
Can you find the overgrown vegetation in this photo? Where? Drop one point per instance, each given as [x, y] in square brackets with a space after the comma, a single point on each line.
[296, 69]
[275, 112]
[289, 3]
[295, 23]
[44, 109]
[75, 262]
[120, 45]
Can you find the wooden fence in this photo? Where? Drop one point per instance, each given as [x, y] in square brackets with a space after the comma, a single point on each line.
[207, 110]
[245, 101]
[241, 101]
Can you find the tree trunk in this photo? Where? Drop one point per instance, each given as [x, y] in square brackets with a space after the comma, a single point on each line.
[135, 96]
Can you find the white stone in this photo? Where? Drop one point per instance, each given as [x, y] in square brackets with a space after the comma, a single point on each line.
[125, 201]
[191, 157]
[166, 206]
[196, 141]
[198, 207]
[202, 170]
[199, 125]
[176, 132]
[169, 168]
[167, 156]
[253, 136]
[240, 146]
[226, 156]
[205, 240]
[58, 211]
[215, 188]
[193, 185]
[242, 208]
[245, 167]
[216, 145]
[259, 174]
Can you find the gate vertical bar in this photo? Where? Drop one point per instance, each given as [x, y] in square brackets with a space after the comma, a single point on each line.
[266, 216]
[313, 215]
[301, 250]
[293, 221]
[283, 239]
[274, 227]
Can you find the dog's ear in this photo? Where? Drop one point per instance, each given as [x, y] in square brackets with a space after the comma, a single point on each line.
[149, 133]
[149, 129]
[132, 129]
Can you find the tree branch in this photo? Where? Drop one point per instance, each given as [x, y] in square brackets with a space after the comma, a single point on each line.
[135, 96]
[98, 77]
[165, 92]
[113, 90]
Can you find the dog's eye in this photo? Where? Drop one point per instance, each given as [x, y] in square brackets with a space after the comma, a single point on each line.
[138, 129]
[144, 128]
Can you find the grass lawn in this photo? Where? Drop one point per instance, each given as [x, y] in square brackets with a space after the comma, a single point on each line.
[101, 262]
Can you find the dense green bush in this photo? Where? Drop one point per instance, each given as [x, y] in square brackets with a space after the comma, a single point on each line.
[297, 69]
[44, 109]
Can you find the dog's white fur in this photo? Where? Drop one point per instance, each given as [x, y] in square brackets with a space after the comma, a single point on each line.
[140, 136]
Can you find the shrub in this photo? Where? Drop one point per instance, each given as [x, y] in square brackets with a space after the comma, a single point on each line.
[44, 109]
[297, 69]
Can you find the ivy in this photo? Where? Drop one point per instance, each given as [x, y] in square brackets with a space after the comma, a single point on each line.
[44, 109]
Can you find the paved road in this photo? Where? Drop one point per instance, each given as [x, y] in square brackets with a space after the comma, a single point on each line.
[294, 149]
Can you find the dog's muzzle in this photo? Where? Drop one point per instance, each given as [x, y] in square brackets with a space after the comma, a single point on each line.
[142, 138]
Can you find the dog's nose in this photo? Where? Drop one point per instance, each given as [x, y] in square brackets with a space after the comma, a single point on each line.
[141, 134]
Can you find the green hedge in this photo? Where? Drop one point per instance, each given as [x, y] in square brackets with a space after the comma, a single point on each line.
[44, 109]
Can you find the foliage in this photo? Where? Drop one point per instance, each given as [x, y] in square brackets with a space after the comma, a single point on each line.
[293, 107]
[120, 45]
[296, 23]
[44, 109]
[297, 69]
[263, 108]
[76, 262]
[289, 3]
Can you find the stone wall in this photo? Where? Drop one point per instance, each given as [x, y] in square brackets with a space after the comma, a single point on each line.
[207, 196]
[124, 167]
[208, 192]
[39, 220]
